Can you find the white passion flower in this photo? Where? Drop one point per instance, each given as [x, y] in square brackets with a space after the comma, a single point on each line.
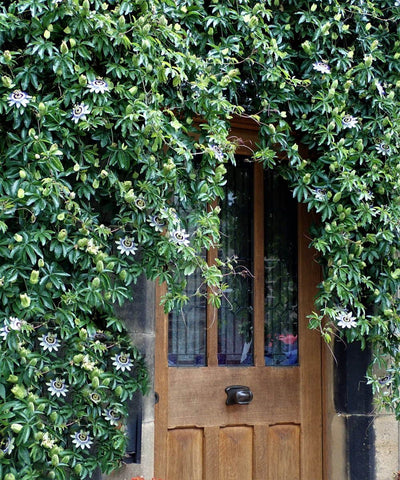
[180, 237]
[345, 319]
[348, 121]
[6, 445]
[322, 67]
[13, 323]
[98, 86]
[50, 342]
[218, 153]
[57, 387]
[157, 223]
[380, 89]
[122, 362]
[112, 416]
[126, 245]
[140, 203]
[18, 98]
[79, 112]
[383, 148]
[82, 439]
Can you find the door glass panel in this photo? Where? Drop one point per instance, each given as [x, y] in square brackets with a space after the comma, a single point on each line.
[187, 329]
[280, 264]
[235, 317]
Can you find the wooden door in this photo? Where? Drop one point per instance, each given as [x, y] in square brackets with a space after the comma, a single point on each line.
[278, 435]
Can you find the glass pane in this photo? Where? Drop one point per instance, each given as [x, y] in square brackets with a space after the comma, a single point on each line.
[280, 263]
[187, 329]
[235, 317]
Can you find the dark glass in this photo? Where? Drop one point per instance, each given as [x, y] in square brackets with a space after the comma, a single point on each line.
[187, 329]
[280, 264]
[235, 317]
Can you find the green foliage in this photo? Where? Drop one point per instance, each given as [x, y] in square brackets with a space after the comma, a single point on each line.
[99, 151]
[114, 124]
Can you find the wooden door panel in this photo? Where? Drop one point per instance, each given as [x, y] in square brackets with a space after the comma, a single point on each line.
[185, 454]
[202, 400]
[236, 453]
[284, 452]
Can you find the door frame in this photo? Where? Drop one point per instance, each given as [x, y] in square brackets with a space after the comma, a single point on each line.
[244, 132]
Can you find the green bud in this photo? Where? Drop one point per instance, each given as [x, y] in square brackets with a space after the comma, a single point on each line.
[38, 436]
[55, 460]
[19, 391]
[103, 174]
[123, 274]
[12, 379]
[82, 80]
[62, 235]
[64, 48]
[129, 196]
[34, 277]
[337, 197]
[78, 468]
[100, 266]
[41, 262]
[95, 183]
[54, 417]
[95, 382]
[82, 242]
[96, 282]
[78, 358]
[119, 390]
[25, 300]
[22, 174]
[16, 427]
[72, 42]
[106, 381]
[42, 108]
[46, 34]
[21, 193]
[77, 167]
[9, 476]
[83, 334]
[368, 60]
[6, 81]
[18, 238]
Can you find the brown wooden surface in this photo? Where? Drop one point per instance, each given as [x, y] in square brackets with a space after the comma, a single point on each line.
[284, 453]
[197, 396]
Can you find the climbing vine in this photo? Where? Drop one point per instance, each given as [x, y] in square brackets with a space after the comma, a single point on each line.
[114, 127]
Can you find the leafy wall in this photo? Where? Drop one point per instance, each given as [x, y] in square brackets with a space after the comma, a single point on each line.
[114, 125]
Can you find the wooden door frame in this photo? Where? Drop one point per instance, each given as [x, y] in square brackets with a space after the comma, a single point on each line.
[245, 132]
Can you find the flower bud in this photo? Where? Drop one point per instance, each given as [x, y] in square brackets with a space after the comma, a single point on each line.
[72, 42]
[64, 48]
[7, 56]
[18, 238]
[6, 81]
[21, 193]
[16, 427]
[42, 109]
[62, 235]
[25, 300]
[12, 379]
[100, 266]
[41, 263]
[34, 277]
[95, 382]
[82, 80]
[46, 34]
[19, 391]
[96, 282]
[9, 476]
[55, 460]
